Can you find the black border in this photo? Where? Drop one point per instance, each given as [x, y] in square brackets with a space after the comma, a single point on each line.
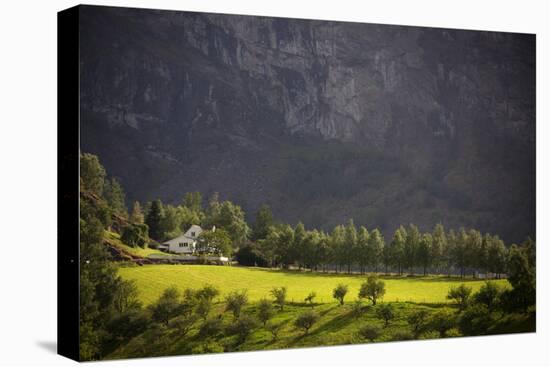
[68, 183]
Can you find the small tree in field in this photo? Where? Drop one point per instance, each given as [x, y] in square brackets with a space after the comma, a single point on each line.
[274, 329]
[372, 289]
[418, 321]
[357, 309]
[306, 321]
[208, 292]
[442, 321]
[265, 311]
[385, 312]
[167, 306]
[211, 328]
[243, 327]
[310, 297]
[280, 297]
[203, 307]
[460, 295]
[370, 332]
[235, 301]
[183, 324]
[340, 292]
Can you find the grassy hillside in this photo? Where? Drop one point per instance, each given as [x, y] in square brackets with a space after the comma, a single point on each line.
[153, 279]
[113, 239]
[337, 325]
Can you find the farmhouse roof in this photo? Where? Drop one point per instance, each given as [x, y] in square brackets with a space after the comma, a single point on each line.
[183, 237]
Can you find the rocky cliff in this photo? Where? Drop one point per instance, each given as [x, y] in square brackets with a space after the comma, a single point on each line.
[322, 120]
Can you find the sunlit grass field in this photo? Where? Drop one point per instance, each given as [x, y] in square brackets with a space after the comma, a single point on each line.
[153, 279]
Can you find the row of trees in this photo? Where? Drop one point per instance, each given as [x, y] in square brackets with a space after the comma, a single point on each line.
[269, 243]
[348, 248]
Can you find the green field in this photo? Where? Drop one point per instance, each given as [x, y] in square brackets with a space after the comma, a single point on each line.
[153, 279]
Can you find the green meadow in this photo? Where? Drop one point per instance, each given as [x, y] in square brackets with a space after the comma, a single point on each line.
[152, 280]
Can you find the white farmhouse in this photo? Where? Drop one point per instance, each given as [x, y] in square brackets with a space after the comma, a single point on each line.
[184, 244]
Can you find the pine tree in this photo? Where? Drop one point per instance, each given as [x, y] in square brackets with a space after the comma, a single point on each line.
[137, 214]
[350, 243]
[114, 194]
[264, 220]
[154, 220]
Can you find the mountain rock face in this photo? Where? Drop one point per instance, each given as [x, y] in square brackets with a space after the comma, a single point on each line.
[324, 121]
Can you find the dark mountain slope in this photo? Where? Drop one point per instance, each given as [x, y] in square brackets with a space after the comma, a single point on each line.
[322, 120]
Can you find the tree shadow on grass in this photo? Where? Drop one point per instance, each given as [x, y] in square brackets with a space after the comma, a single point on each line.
[335, 324]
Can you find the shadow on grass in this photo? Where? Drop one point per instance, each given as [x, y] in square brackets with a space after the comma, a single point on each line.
[337, 323]
[404, 277]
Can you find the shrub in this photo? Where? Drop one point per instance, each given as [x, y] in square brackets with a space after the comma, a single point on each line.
[265, 311]
[203, 307]
[208, 292]
[488, 295]
[274, 329]
[310, 297]
[475, 320]
[135, 235]
[125, 296]
[357, 309]
[431, 334]
[243, 327]
[306, 320]
[370, 332]
[460, 295]
[207, 348]
[211, 328]
[418, 320]
[442, 321]
[385, 312]
[401, 335]
[167, 306]
[235, 301]
[372, 289]
[280, 296]
[453, 333]
[128, 324]
[183, 324]
[189, 301]
[340, 292]
[522, 276]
